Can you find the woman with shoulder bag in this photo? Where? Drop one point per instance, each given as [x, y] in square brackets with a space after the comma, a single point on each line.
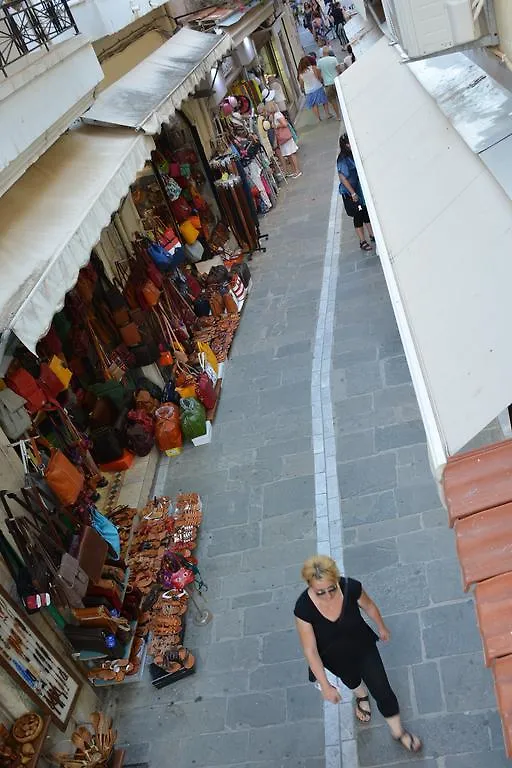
[334, 636]
[310, 79]
[287, 147]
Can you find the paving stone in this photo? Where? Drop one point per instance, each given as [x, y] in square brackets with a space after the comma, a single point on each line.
[303, 702]
[267, 618]
[235, 538]
[243, 653]
[368, 475]
[346, 359]
[450, 629]
[299, 465]
[427, 688]
[391, 348]
[226, 509]
[255, 710]
[288, 741]
[289, 495]
[270, 676]
[385, 529]
[363, 378]
[295, 525]
[255, 581]
[368, 558]
[396, 370]
[444, 581]
[135, 754]
[361, 510]
[228, 624]
[467, 683]
[206, 716]
[355, 445]
[285, 397]
[291, 553]
[299, 347]
[432, 544]
[253, 598]
[442, 735]
[434, 518]
[398, 435]
[494, 759]
[404, 647]
[417, 498]
[224, 748]
[398, 588]
[281, 646]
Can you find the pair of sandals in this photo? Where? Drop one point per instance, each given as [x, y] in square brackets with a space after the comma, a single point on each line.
[407, 740]
[365, 245]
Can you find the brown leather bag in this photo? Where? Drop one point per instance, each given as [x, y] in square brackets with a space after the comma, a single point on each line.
[144, 402]
[65, 480]
[150, 293]
[230, 303]
[121, 316]
[216, 304]
[96, 617]
[130, 334]
[92, 553]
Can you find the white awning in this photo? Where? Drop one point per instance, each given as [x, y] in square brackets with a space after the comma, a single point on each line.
[444, 234]
[53, 216]
[151, 92]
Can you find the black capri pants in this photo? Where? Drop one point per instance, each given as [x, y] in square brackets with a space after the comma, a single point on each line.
[371, 671]
[360, 216]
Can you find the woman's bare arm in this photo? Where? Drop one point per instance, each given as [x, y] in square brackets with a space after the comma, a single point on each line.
[308, 642]
[346, 183]
[371, 610]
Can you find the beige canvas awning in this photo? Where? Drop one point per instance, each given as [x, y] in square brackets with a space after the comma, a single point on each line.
[444, 234]
[53, 216]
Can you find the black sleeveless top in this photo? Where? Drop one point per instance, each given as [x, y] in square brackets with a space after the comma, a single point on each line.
[343, 641]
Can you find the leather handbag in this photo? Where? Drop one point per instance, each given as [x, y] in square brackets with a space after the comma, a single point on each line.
[104, 413]
[93, 639]
[107, 445]
[92, 553]
[72, 579]
[283, 134]
[65, 480]
[145, 354]
[130, 334]
[150, 293]
[205, 391]
[216, 304]
[96, 617]
[25, 385]
[50, 382]
[121, 316]
[230, 303]
[14, 417]
[61, 371]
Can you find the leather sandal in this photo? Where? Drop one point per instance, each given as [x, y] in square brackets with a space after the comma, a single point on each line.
[412, 741]
[366, 713]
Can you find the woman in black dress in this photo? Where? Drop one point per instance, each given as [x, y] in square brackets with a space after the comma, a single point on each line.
[334, 636]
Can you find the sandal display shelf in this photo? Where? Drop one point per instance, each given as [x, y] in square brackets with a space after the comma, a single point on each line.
[137, 677]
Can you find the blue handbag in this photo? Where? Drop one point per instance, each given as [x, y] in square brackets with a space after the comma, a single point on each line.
[107, 531]
[160, 256]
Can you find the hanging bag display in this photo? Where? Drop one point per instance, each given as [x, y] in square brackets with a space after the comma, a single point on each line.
[49, 382]
[73, 580]
[24, 384]
[130, 334]
[107, 531]
[64, 479]
[205, 391]
[14, 417]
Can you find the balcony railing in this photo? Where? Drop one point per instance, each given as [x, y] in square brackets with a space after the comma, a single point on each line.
[28, 26]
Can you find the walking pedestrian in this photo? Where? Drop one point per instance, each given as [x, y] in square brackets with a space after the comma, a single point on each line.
[286, 143]
[334, 636]
[320, 30]
[330, 67]
[308, 17]
[310, 79]
[338, 21]
[349, 58]
[352, 193]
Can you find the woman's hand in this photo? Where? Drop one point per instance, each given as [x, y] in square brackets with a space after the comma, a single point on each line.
[330, 693]
[384, 633]
[355, 197]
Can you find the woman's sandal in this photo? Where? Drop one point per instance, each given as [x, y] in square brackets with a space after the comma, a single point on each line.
[364, 246]
[409, 745]
[363, 715]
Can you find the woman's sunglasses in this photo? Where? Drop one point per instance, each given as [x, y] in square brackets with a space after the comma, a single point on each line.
[328, 591]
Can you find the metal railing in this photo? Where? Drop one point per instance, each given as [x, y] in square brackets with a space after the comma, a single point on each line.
[28, 26]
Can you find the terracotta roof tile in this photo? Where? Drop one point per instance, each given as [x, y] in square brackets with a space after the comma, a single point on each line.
[478, 480]
[494, 610]
[484, 544]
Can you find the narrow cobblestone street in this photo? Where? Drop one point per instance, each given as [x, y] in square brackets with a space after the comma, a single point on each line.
[249, 704]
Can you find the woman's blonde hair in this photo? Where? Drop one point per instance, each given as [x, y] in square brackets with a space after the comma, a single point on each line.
[320, 567]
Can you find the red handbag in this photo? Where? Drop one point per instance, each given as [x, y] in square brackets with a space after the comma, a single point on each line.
[24, 384]
[181, 210]
[205, 391]
[50, 382]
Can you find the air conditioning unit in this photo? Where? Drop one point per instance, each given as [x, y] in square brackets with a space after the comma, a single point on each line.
[429, 27]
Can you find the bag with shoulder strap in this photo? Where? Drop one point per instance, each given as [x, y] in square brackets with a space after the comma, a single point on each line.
[14, 417]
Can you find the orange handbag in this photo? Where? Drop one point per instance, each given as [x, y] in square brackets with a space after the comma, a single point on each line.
[65, 480]
[150, 293]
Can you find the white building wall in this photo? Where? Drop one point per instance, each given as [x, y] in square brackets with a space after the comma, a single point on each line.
[100, 18]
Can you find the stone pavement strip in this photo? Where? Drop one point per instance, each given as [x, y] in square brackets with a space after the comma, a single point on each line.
[249, 704]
